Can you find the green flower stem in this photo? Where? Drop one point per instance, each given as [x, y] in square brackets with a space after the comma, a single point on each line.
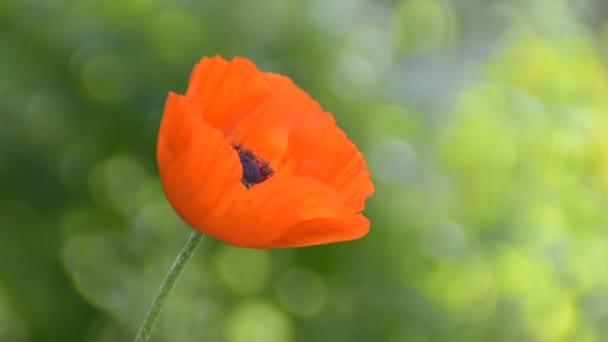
[145, 330]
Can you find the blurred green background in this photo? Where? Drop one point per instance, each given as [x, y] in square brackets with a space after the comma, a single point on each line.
[484, 123]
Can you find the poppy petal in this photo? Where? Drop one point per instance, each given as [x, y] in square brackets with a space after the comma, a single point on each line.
[322, 150]
[175, 129]
[224, 92]
[202, 179]
[322, 230]
[266, 130]
[281, 203]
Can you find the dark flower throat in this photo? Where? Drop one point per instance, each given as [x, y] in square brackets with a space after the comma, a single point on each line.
[255, 169]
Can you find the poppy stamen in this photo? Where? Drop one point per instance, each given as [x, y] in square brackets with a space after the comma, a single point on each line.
[255, 169]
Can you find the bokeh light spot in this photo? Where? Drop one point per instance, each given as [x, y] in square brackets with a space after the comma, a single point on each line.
[521, 274]
[373, 43]
[445, 240]
[353, 75]
[553, 320]
[434, 18]
[12, 327]
[243, 271]
[116, 182]
[177, 36]
[389, 120]
[301, 292]
[45, 121]
[107, 78]
[263, 21]
[258, 321]
[471, 293]
[75, 160]
[392, 161]
[336, 16]
[100, 282]
[409, 333]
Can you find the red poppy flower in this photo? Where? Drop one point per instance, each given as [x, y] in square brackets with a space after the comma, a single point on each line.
[250, 159]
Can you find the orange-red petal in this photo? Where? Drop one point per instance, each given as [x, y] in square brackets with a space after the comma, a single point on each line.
[321, 231]
[283, 203]
[266, 130]
[224, 92]
[321, 150]
[201, 178]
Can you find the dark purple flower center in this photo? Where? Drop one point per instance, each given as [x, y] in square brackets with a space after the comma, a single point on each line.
[255, 169]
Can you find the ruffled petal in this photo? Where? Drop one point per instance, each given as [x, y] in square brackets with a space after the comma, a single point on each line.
[321, 150]
[282, 203]
[202, 179]
[175, 129]
[224, 92]
[321, 231]
[266, 130]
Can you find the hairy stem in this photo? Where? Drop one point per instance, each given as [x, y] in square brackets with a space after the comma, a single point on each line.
[145, 330]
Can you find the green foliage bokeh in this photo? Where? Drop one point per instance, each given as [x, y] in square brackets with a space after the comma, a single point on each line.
[484, 124]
